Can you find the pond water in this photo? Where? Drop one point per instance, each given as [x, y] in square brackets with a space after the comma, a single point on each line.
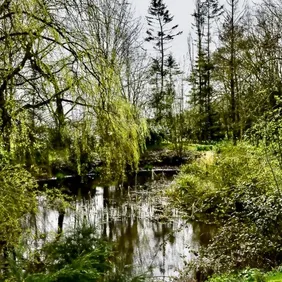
[148, 235]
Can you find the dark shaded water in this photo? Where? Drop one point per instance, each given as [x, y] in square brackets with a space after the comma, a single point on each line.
[148, 235]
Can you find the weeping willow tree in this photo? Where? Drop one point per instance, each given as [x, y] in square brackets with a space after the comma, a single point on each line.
[121, 133]
[61, 84]
[60, 98]
[17, 199]
[108, 127]
[113, 127]
[35, 57]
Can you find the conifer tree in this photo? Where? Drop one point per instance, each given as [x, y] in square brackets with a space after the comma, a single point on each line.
[213, 11]
[231, 33]
[204, 15]
[197, 76]
[161, 32]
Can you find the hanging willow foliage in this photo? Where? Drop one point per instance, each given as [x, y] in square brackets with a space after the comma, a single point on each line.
[61, 99]
[111, 128]
[121, 133]
[120, 138]
[17, 198]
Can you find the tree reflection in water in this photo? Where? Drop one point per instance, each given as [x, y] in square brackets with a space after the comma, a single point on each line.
[132, 220]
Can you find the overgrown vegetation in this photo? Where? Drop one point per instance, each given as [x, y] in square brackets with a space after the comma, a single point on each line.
[249, 275]
[76, 255]
[233, 187]
[17, 199]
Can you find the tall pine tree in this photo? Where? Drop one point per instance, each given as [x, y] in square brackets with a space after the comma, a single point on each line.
[161, 32]
[202, 93]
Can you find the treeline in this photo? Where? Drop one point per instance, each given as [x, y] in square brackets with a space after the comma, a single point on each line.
[235, 69]
[77, 85]
[236, 75]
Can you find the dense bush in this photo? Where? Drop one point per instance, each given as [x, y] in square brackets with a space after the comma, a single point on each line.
[250, 238]
[78, 255]
[247, 275]
[234, 187]
[212, 186]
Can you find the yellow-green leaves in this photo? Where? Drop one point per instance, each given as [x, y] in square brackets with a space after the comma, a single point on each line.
[17, 198]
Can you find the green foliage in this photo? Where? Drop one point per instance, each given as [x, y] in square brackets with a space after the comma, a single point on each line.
[247, 275]
[77, 255]
[207, 184]
[121, 139]
[156, 135]
[161, 32]
[267, 133]
[235, 189]
[275, 277]
[121, 275]
[75, 244]
[56, 199]
[17, 199]
[250, 237]
[203, 148]
[53, 115]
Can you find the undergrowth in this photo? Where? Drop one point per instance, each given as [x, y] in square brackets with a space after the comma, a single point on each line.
[235, 188]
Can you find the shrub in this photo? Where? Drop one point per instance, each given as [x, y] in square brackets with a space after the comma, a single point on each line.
[247, 275]
[235, 189]
[77, 255]
[207, 188]
[203, 148]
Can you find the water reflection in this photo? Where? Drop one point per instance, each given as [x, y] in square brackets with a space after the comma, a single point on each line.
[146, 238]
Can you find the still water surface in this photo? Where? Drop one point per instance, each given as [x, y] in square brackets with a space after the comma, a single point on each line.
[147, 234]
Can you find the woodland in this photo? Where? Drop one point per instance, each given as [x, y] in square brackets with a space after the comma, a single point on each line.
[80, 93]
